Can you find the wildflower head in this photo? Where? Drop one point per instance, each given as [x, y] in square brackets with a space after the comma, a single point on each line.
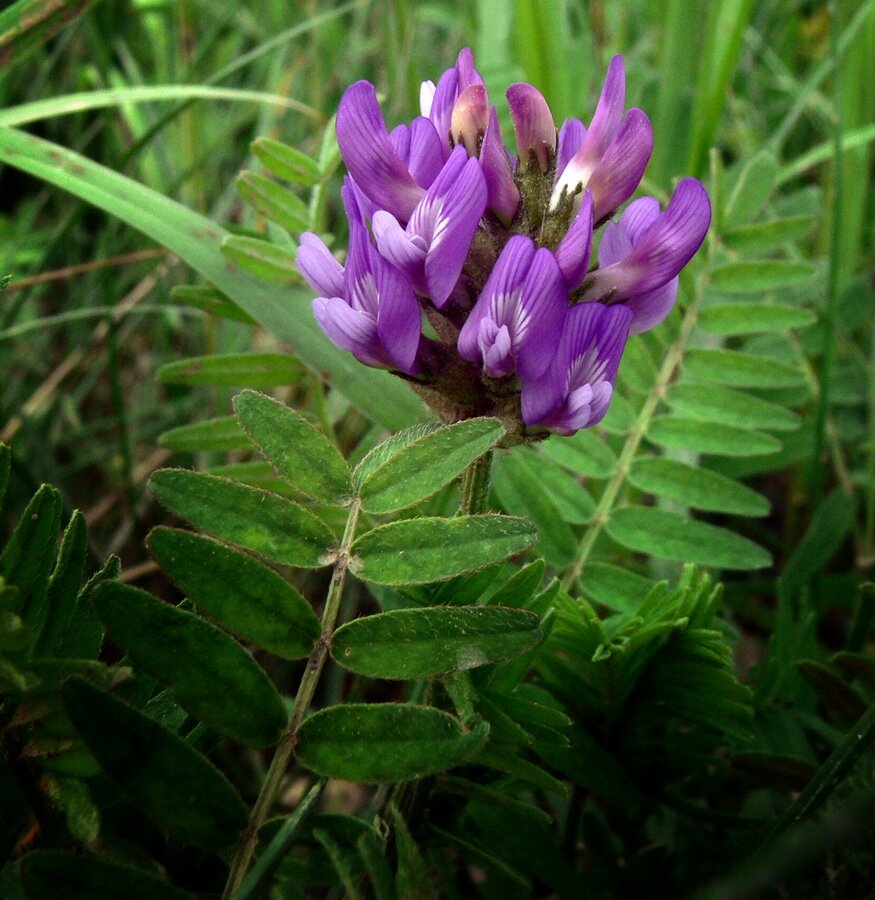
[470, 269]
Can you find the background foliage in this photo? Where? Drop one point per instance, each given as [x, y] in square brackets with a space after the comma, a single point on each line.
[634, 726]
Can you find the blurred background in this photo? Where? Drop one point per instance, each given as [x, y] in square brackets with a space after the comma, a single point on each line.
[85, 321]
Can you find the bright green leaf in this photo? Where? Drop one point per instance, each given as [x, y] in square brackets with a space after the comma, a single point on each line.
[210, 301]
[750, 318]
[241, 594]
[261, 258]
[768, 235]
[274, 201]
[300, 453]
[419, 551]
[585, 453]
[752, 187]
[716, 403]
[758, 275]
[709, 437]
[270, 526]
[286, 161]
[385, 742]
[209, 674]
[736, 369]
[223, 433]
[614, 587]
[668, 535]
[425, 465]
[696, 486]
[257, 370]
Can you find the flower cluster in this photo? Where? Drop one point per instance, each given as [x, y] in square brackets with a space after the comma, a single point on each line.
[492, 249]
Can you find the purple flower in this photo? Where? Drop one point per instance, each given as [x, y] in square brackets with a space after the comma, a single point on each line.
[573, 251]
[533, 124]
[437, 102]
[513, 325]
[611, 155]
[641, 255]
[371, 157]
[433, 248]
[576, 389]
[369, 308]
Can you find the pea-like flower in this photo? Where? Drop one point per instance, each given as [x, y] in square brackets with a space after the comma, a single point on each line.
[494, 249]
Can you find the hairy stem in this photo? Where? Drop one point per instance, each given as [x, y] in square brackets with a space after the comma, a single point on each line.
[285, 748]
[475, 486]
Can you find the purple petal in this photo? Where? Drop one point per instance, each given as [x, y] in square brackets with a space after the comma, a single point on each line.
[638, 216]
[442, 103]
[350, 329]
[468, 73]
[622, 166]
[426, 155]
[496, 300]
[317, 264]
[358, 288]
[460, 213]
[369, 155]
[664, 249]
[544, 302]
[496, 349]
[503, 196]
[575, 391]
[470, 118]
[571, 136]
[601, 132]
[651, 308]
[399, 321]
[533, 124]
[573, 251]
[399, 248]
[614, 245]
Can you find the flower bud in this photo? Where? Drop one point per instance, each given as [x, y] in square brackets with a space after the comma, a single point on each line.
[470, 118]
[533, 124]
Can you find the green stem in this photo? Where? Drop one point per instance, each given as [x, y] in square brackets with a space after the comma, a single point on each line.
[475, 486]
[285, 748]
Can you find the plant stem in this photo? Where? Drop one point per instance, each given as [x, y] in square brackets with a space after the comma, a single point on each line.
[475, 486]
[285, 748]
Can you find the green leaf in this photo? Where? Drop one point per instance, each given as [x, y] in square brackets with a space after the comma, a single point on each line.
[28, 24]
[518, 487]
[74, 876]
[426, 464]
[259, 878]
[241, 594]
[752, 188]
[72, 797]
[274, 201]
[270, 526]
[737, 369]
[63, 586]
[286, 161]
[768, 235]
[716, 403]
[504, 759]
[518, 589]
[164, 777]
[696, 486]
[223, 433]
[751, 318]
[209, 674]
[383, 452]
[614, 587]
[418, 551]
[423, 643]
[257, 370]
[385, 742]
[300, 453]
[585, 453]
[709, 437]
[757, 275]
[210, 301]
[261, 258]
[84, 634]
[195, 239]
[29, 554]
[669, 536]
[829, 526]
[411, 880]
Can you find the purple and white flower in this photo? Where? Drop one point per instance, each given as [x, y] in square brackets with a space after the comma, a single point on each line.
[432, 249]
[641, 255]
[609, 157]
[368, 307]
[576, 389]
[515, 322]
